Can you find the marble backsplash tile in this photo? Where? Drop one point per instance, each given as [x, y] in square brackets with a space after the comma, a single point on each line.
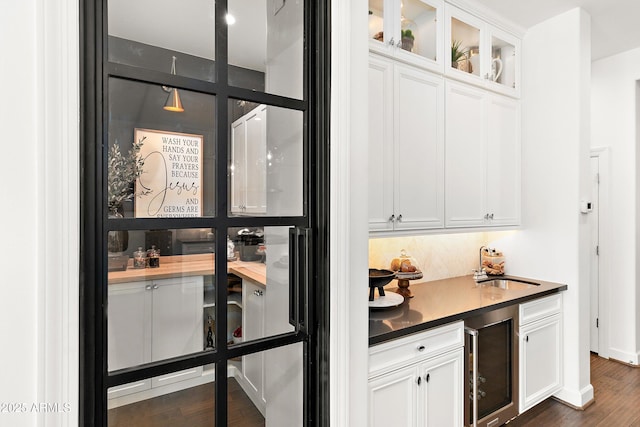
[438, 256]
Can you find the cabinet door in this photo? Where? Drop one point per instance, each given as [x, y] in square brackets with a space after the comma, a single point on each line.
[503, 160]
[504, 62]
[256, 161]
[443, 390]
[249, 163]
[419, 149]
[129, 331]
[380, 106]
[465, 156]
[393, 398]
[540, 361]
[466, 46]
[253, 369]
[129, 325]
[177, 323]
[238, 166]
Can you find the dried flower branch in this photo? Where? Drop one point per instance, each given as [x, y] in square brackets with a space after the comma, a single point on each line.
[122, 173]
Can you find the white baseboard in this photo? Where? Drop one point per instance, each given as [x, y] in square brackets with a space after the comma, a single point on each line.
[576, 398]
[623, 356]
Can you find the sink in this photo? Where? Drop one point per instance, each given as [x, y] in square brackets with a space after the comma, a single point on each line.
[510, 284]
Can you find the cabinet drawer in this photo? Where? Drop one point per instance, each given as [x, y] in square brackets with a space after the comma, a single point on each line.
[415, 347]
[540, 308]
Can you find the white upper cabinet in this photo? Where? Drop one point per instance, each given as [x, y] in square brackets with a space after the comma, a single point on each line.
[503, 161]
[482, 158]
[249, 163]
[481, 54]
[406, 147]
[408, 30]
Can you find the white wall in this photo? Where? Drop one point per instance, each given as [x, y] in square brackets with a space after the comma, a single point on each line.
[349, 340]
[18, 305]
[555, 163]
[614, 110]
[39, 304]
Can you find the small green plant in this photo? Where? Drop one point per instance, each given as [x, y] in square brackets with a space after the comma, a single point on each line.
[458, 53]
[407, 34]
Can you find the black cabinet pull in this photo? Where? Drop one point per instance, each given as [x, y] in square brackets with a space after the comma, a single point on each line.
[427, 377]
[526, 338]
[419, 380]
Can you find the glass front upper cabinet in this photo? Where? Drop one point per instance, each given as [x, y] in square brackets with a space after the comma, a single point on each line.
[480, 53]
[410, 30]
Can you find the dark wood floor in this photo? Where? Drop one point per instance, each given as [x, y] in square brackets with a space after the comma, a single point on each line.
[617, 401]
[616, 387]
[193, 407]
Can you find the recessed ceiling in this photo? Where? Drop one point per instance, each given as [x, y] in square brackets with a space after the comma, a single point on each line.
[614, 23]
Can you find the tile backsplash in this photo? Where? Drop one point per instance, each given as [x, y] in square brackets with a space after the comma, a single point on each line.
[438, 256]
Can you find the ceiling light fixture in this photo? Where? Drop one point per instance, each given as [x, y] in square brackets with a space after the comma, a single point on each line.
[230, 19]
[173, 100]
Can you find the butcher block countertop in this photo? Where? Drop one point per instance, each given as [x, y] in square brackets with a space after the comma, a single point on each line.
[188, 265]
[443, 301]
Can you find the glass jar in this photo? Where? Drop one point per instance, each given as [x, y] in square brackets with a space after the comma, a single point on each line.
[139, 258]
[405, 263]
[154, 257]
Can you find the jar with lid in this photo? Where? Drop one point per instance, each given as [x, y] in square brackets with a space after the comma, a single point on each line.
[154, 257]
[405, 263]
[139, 258]
[406, 269]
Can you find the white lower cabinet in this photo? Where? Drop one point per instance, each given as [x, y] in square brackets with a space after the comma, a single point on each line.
[442, 387]
[540, 350]
[150, 321]
[393, 398]
[253, 327]
[418, 380]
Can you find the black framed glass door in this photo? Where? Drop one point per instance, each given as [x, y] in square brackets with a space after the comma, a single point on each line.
[204, 248]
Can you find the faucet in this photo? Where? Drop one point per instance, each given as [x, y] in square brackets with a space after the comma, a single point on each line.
[480, 274]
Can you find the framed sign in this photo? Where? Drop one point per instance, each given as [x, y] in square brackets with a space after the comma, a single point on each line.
[170, 184]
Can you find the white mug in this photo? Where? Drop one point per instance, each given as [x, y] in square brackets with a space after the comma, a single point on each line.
[496, 68]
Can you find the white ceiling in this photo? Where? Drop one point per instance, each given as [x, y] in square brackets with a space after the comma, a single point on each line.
[172, 25]
[614, 23]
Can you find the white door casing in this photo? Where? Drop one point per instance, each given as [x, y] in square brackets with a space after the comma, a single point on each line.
[594, 255]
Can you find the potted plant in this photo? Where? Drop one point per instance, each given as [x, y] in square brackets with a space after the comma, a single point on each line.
[407, 39]
[122, 171]
[458, 53]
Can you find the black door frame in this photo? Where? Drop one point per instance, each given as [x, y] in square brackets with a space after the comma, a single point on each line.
[94, 72]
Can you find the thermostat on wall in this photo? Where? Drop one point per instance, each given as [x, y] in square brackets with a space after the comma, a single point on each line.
[585, 206]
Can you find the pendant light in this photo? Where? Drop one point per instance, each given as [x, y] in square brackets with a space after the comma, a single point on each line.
[173, 100]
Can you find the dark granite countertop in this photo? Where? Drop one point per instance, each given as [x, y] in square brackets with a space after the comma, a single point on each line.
[443, 301]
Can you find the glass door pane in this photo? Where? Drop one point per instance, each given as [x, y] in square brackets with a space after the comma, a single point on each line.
[160, 163]
[150, 33]
[376, 20]
[161, 295]
[270, 379]
[193, 407]
[503, 62]
[266, 46]
[261, 264]
[465, 47]
[418, 22]
[266, 160]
